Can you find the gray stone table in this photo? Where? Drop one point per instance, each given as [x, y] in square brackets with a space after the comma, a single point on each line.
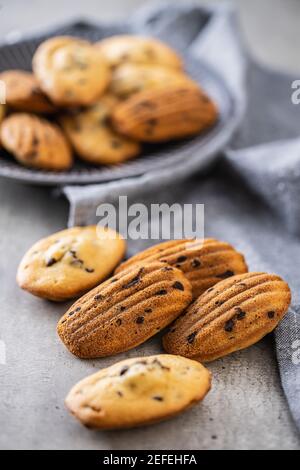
[242, 411]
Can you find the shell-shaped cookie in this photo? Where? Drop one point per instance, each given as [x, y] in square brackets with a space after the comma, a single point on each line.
[204, 262]
[35, 142]
[232, 315]
[125, 311]
[138, 391]
[70, 71]
[70, 262]
[22, 92]
[132, 78]
[165, 114]
[92, 136]
[138, 49]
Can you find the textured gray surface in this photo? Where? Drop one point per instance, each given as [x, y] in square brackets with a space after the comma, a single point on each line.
[243, 410]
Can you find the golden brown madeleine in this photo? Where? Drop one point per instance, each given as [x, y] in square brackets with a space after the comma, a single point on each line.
[70, 71]
[35, 142]
[131, 78]
[92, 136]
[68, 263]
[204, 262]
[138, 49]
[125, 311]
[165, 114]
[138, 391]
[24, 94]
[232, 315]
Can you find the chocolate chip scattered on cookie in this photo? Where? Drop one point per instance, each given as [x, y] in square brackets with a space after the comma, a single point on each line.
[132, 78]
[138, 391]
[93, 137]
[125, 311]
[70, 71]
[203, 262]
[165, 114]
[69, 263]
[36, 142]
[23, 92]
[232, 315]
[138, 49]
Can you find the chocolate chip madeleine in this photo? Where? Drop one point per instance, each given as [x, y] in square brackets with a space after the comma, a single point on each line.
[232, 315]
[125, 311]
[138, 391]
[36, 142]
[203, 262]
[165, 114]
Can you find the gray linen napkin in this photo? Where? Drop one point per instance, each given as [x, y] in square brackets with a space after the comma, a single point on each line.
[252, 197]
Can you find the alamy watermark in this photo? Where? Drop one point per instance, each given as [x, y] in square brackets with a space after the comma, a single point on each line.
[138, 221]
[296, 352]
[2, 353]
[295, 97]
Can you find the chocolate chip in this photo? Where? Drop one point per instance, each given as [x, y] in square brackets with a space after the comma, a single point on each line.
[229, 325]
[210, 290]
[32, 155]
[124, 370]
[146, 104]
[157, 362]
[225, 274]
[271, 314]
[89, 270]
[140, 320]
[114, 279]
[148, 310]
[51, 261]
[219, 302]
[151, 122]
[191, 337]
[178, 285]
[71, 313]
[119, 321]
[161, 292]
[133, 281]
[98, 297]
[116, 144]
[77, 309]
[181, 259]
[195, 263]
[240, 313]
[158, 398]
[122, 308]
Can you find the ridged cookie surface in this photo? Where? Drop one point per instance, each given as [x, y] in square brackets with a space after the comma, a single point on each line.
[165, 114]
[23, 92]
[132, 78]
[92, 136]
[35, 142]
[125, 311]
[70, 71]
[138, 391]
[68, 263]
[138, 49]
[232, 315]
[204, 262]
